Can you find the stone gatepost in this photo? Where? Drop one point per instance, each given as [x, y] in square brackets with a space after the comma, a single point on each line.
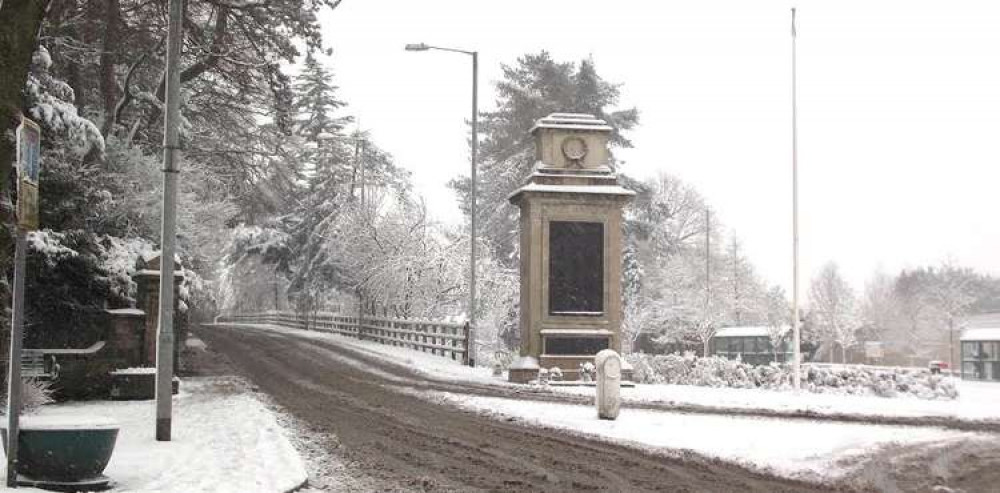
[126, 335]
[147, 279]
[571, 246]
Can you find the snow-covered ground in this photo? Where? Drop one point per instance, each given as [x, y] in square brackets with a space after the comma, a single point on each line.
[224, 440]
[976, 400]
[805, 449]
[811, 450]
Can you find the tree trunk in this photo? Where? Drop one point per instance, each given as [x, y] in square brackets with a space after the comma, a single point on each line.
[18, 38]
[108, 84]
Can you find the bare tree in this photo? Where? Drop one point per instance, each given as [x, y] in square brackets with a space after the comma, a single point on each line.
[951, 294]
[778, 316]
[835, 307]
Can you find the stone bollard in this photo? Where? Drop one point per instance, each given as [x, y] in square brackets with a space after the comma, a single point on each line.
[609, 379]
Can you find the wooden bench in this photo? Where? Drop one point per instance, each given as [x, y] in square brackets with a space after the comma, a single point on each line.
[34, 364]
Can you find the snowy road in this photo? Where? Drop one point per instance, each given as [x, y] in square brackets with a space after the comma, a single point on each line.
[389, 439]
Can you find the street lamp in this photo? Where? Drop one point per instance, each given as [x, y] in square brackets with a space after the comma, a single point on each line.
[472, 220]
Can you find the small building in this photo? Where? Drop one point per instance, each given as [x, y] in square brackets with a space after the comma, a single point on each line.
[751, 345]
[981, 353]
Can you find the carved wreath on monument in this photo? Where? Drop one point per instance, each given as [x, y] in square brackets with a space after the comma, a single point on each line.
[575, 149]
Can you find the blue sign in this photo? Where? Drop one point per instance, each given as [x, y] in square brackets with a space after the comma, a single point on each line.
[29, 148]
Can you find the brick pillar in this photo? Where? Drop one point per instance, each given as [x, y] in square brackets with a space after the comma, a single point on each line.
[125, 341]
[147, 299]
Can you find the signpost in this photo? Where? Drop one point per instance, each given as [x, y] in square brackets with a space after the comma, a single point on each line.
[29, 140]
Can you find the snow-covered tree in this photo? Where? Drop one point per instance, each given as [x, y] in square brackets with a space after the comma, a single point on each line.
[532, 88]
[777, 319]
[316, 102]
[835, 307]
[952, 295]
[748, 298]
[668, 214]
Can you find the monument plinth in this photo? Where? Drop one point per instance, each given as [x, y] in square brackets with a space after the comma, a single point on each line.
[571, 245]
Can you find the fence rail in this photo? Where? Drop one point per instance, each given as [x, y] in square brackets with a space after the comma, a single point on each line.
[438, 338]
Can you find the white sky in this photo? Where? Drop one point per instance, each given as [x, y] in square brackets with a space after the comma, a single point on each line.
[899, 110]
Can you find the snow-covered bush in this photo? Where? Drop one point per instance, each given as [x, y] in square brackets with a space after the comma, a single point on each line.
[119, 257]
[587, 371]
[34, 394]
[71, 290]
[857, 380]
[543, 376]
[555, 374]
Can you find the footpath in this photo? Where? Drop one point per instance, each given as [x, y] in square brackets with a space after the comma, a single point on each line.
[225, 439]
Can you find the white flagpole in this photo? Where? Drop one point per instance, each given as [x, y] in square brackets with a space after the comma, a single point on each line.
[797, 339]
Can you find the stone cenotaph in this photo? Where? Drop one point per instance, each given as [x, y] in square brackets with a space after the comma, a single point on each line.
[571, 248]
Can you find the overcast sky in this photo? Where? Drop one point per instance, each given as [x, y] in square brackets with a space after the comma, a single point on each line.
[899, 111]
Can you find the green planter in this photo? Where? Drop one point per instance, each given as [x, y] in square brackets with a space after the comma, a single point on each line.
[63, 452]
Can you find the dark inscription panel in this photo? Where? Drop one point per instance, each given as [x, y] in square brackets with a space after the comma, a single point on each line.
[576, 268]
[571, 346]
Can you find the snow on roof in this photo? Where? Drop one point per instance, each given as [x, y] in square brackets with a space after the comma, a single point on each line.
[982, 320]
[982, 334]
[761, 331]
[596, 189]
[572, 121]
[524, 363]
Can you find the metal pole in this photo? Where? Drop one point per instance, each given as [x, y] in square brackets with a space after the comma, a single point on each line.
[951, 345]
[171, 148]
[708, 256]
[361, 163]
[357, 161]
[797, 336]
[472, 222]
[708, 283]
[14, 385]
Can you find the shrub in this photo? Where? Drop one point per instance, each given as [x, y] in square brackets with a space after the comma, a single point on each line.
[34, 394]
[855, 380]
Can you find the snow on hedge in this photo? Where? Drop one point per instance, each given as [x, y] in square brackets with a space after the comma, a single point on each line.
[119, 256]
[856, 380]
[50, 244]
[52, 106]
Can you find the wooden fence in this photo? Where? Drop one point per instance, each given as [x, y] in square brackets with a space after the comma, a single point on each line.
[442, 339]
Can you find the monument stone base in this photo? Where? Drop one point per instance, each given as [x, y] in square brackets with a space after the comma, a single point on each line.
[523, 370]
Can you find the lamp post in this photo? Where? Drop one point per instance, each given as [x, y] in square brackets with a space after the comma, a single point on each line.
[472, 220]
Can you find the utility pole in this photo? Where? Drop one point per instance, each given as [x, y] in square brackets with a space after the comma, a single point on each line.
[357, 161]
[361, 163]
[171, 149]
[14, 384]
[472, 194]
[472, 222]
[707, 318]
[29, 142]
[797, 336]
[708, 256]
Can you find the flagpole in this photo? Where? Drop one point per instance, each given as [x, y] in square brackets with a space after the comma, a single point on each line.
[797, 338]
